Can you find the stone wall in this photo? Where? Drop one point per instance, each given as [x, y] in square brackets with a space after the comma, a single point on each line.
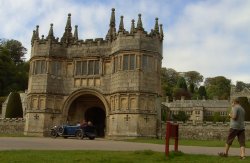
[12, 125]
[205, 130]
[189, 130]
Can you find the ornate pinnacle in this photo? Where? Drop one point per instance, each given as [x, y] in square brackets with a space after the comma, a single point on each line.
[156, 26]
[37, 32]
[139, 23]
[76, 33]
[112, 30]
[132, 30]
[67, 36]
[161, 32]
[51, 33]
[68, 24]
[112, 19]
[33, 37]
[121, 26]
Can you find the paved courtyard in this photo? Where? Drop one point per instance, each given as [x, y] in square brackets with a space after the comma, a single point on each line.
[40, 143]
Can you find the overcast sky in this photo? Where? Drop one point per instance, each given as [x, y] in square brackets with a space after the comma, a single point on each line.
[208, 36]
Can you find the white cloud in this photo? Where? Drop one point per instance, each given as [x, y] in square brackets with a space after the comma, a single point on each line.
[211, 37]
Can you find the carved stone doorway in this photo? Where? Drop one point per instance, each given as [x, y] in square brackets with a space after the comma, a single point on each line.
[88, 107]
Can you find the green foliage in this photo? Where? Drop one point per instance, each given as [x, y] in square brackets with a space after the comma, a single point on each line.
[191, 88]
[163, 115]
[202, 92]
[218, 86]
[246, 105]
[14, 106]
[216, 118]
[13, 72]
[241, 85]
[181, 116]
[181, 83]
[169, 79]
[15, 50]
[193, 77]
[180, 92]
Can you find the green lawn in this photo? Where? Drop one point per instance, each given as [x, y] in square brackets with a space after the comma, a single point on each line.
[147, 156]
[206, 143]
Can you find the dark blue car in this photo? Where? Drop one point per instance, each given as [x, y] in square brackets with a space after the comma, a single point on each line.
[73, 131]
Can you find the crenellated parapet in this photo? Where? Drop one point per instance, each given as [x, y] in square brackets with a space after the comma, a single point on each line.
[116, 40]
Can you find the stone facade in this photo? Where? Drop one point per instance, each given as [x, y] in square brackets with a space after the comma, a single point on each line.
[198, 110]
[113, 82]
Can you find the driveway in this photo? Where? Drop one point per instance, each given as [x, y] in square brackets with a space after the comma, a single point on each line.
[40, 143]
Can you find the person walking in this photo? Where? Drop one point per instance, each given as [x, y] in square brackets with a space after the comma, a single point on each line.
[237, 128]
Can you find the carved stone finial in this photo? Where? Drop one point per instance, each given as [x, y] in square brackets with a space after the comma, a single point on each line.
[161, 32]
[33, 37]
[156, 26]
[67, 36]
[51, 33]
[37, 32]
[112, 30]
[139, 23]
[132, 29]
[121, 26]
[76, 33]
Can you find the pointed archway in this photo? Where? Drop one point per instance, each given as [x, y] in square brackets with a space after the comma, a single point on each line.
[88, 107]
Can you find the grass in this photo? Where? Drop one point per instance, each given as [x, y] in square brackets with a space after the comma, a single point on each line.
[12, 135]
[205, 143]
[146, 156]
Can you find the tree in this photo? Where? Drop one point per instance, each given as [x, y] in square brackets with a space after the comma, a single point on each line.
[202, 92]
[193, 77]
[14, 106]
[181, 116]
[13, 76]
[7, 71]
[15, 50]
[169, 79]
[181, 89]
[218, 86]
[241, 85]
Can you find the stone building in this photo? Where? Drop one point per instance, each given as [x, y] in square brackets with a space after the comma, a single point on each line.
[244, 92]
[113, 82]
[199, 110]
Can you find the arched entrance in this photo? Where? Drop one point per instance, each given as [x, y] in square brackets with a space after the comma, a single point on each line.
[88, 107]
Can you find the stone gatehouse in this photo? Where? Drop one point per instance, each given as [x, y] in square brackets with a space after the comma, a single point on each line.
[113, 82]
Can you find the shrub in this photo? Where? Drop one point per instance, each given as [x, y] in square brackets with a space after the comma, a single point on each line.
[14, 106]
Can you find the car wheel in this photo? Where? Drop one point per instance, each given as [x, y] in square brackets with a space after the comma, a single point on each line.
[79, 134]
[60, 130]
[65, 137]
[53, 134]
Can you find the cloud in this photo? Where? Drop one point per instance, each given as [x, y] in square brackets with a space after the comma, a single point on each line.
[211, 37]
